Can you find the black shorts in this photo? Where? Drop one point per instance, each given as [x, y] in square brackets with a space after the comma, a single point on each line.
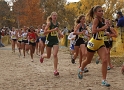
[79, 42]
[107, 44]
[14, 39]
[37, 41]
[111, 43]
[25, 41]
[19, 41]
[33, 44]
[86, 44]
[42, 39]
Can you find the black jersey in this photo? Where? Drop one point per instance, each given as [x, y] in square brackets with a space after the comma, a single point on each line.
[80, 30]
[99, 35]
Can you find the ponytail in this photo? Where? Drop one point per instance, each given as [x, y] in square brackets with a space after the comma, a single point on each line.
[49, 19]
[91, 12]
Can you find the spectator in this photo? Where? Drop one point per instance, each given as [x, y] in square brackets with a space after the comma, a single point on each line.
[120, 23]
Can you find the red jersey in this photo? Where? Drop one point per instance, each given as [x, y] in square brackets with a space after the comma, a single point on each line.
[32, 37]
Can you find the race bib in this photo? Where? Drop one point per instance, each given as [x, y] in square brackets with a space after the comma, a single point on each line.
[90, 44]
[13, 37]
[106, 38]
[81, 35]
[19, 39]
[32, 40]
[100, 35]
[54, 33]
[41, 34]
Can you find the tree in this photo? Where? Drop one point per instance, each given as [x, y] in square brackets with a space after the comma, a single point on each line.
[5, 15]
[28, 13]
[57, 6]
[111, 7]
[72, 11]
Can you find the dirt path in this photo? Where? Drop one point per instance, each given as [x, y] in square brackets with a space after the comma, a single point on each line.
[22, 74]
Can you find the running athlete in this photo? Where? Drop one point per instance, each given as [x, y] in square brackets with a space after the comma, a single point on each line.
[109, 33]
[79, 31]
[37, 41]
[52, 31]
[96, 43]
[25, 44]
[14, 38]
[42, 39]
[71, 37]
[32, 41]
[19, 36]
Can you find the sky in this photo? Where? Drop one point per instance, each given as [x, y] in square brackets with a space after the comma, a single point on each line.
[73, 0]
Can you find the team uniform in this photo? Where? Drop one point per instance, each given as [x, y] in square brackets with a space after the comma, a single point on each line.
[42, 37]
[24, 37]
[13, 35]
[97, 40]
[32, 38]
[19, 37]
[52, 37]
[70, 37]
[86, 38]
[37, 40]
[107, 40]
[110, 39]
[80, 38]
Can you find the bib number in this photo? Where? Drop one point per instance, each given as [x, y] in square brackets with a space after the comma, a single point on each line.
[32, 40]
[81, 35]
[90, 44]
[106, 38]
[100, 35]
[13, 37]
[54, 33]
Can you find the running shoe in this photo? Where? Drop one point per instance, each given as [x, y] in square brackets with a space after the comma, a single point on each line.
[73, 61]
[56, 73]
[104, 83]
[32, 60]
[97, 61]
[108, 68]
[80, 74]
[41, 59]
[85, 70]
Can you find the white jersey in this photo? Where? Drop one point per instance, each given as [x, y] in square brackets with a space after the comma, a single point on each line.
[19, 37]
[41, 34]
[13, 35]
[71, 37]
[24, 35]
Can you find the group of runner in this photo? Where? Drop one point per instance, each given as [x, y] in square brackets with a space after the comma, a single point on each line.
[28, 39]
[86, 42]
[83, 41]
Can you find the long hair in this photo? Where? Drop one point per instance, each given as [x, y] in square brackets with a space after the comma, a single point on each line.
[91, 12]
[77, 21]
[49, 18]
